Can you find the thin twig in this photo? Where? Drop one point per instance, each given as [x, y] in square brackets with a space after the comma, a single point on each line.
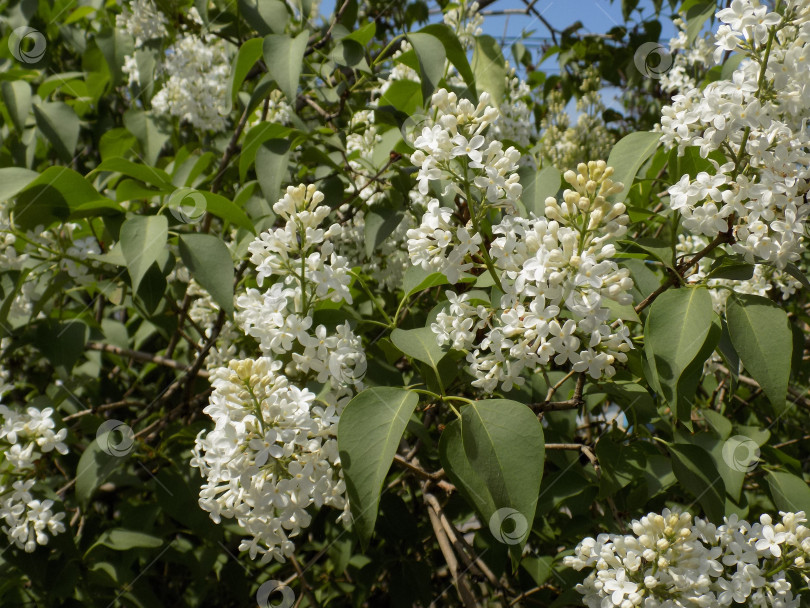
[140, 356]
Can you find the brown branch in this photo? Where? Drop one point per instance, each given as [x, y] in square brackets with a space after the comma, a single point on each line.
[139, 356]
[674, 279]
[304, 584]
[436, 478]
[569, 404]
[314, 42]
[467, 553]
[460, 581]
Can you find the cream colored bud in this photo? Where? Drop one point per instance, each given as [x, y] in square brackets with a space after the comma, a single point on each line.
[571, 197]
[570, 177]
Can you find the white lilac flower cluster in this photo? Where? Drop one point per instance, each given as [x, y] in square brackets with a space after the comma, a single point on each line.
[142, 20]
[24, 438]
[482, 173]
[465, 20]
[556, 274]
[759, 121]
[389, 261]
[203, 311]
[567, 146]
[690, 61]
[766, 280]
[674, 561]
[196, 88]
[273, 451]
[42, 253]
[195, 69]
[515, 122]
[274, 109]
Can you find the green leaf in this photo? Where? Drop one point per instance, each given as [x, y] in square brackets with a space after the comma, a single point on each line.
[13, 180]
[284, 56]
[719, 423]
[116, 142]
[17, 98]
[455, 52]
[350, 53]
[489, 67]
[379, 224]
[503, 442]
[417, 279]
[254, 139]
[265, 16]
[657, 249]
[461, 473]
[431, 54]
[696, 472]
[192, 203]
[790, 493]
[149, 133]
[100, 459]
[245, 59]
[210, 263]
[271, 167]
[120, 539]
[143, 239]
[731, 65]
[761, 335]
[369, 432]
[419, 344]
[365, 34]
[628, 155]
[696, 17]
[676, 329]
[141, 172]
[731, 268]
[404, 95]
[60, 193]
[59, 124]
[797, 274]
[538, 186]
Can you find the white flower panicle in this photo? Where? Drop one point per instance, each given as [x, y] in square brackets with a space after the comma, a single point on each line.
[673, 561]
[483, 174]
[690, 60]
[25, 437]
[549, 265]
[465, 20]
[142, 20]
[766, 280]
[272, 454]
[759, 121]
[196, 90]
[273, 451]
[565, 145]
